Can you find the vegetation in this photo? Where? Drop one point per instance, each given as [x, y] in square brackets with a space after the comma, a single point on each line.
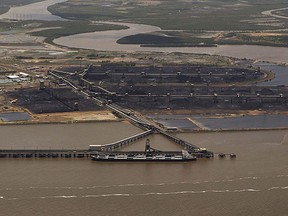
[3, 9]
[181, 40]
[281, 12]
[5, 26]
[62, 28]
[165, 41]
[18, 2]
[188, 21]
[175, 14]
[6, 4]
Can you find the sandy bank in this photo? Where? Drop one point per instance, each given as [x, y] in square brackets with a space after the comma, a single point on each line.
[67, 117]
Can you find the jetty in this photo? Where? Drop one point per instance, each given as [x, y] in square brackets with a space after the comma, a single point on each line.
[46, 153]
[138, 120]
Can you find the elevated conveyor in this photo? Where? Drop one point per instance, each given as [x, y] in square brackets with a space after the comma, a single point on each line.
[120, 143]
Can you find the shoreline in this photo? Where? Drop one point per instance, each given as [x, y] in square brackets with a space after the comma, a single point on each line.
[107, 41]
[57, 122]
[63, 118]
[178, 131]
[181, 131]
[229, 130]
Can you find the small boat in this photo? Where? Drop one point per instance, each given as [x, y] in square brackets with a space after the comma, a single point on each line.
[149, 154]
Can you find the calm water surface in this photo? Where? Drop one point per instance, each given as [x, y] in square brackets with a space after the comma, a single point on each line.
[255, 183]
[107, 41]
[232, 122]
[35, 11]
[280, 71]
[14, 116]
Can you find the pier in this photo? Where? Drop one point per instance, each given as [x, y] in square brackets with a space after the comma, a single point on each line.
[78, 154]
[48, 153]
[186, 145]
[120, 143]
[136, 119]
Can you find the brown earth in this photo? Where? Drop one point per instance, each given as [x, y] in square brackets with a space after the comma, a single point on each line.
[74, 117]
[67, 117]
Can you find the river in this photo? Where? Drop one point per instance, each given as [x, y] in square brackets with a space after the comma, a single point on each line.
[255, 183]
[107, 41]
[35, 11]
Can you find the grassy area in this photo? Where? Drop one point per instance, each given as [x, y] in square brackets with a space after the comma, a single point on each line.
[165, 41]
[266, 39]
[6, 4]
[6, 26]
[181, 39]
[175, 14]
[18, 2]
[281, 12]
[193, 17]
[60, 29]
[56, 29]
[4, 9]
[149, 39]
[9, 3]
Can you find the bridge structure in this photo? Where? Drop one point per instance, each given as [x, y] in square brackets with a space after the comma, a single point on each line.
[121, 143]
[148, 127]
[45, 153]
[141, 122]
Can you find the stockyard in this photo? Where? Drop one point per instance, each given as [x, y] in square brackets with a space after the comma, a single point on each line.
[181, 87]
[150, 88]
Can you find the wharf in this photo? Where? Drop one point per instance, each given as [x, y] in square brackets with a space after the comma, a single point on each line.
[51, 153]
[107, 149]
[76, 153]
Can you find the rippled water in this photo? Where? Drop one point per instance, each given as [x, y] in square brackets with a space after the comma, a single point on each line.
[255, 183]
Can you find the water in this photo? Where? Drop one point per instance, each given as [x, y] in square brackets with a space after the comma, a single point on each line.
[107, 41]
[14, 116]
[233, 122]
[258, 121]
[255, 183]
[280, 71]
[35, 11]
[59, 136]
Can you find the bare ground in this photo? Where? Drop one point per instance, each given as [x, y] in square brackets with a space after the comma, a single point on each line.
[74, 117]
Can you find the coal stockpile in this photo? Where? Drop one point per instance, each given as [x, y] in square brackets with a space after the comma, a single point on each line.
[172, 74]
[182, 87]
[188, 97]
[51, 100]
